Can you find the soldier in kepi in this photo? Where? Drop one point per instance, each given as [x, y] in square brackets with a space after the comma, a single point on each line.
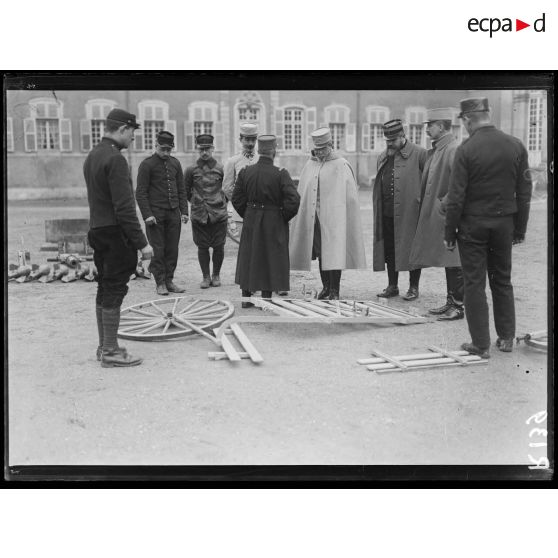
[204, 189]
[248, 137]
[428, 248]
[115, 233]
[328, 225]
[161, 197]
[264, 195]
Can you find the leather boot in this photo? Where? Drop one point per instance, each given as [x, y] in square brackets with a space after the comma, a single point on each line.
[206, 283]
[99, 316]
[215, 281]
[246, 304]
[324, 293]
[112, 354]
[442, 309]
[119, 358]
[335, 282]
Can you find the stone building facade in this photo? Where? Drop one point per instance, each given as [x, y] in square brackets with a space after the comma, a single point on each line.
[49, 133]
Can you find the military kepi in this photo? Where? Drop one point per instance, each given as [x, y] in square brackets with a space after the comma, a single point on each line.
[321, 137]
[204, 140]
[434, 115]
[165, 138]
[474, 104]
[267, 144]
[124, 117]
[249, 130]
[392, 128]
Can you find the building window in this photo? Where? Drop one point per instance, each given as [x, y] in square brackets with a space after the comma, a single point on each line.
[48, 133]
[372, 130]
[153, 118]
[293, 118]
[248, 113]
[203, 127]
[202, 119]
[337, 134]
[535, 124]
[92, 129]
[343, 132]
[45, 129]
[415, 117]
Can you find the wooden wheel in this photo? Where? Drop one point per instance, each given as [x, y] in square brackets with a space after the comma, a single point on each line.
[163, 319]
[538, 340]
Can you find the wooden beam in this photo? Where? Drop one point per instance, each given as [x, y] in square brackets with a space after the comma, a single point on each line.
[255, 356]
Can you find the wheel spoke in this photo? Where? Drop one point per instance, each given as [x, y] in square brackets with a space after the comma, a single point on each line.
[137, 310]
[163, 313]
[154, 326]
[198, 310]
[167, 326]
[141, 326]
[179, 325]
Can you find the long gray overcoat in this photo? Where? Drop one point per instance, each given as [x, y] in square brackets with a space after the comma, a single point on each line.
[428, 249]
[408, 166]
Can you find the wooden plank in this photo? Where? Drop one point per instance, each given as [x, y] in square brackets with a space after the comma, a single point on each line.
[390, 309]
[265, 305]
[418, 356]
[221, 355]
[246, 343]
[455, 357]
[390, 359]
[315, 308]
[228, 347]
[434, 363]
[343, 309]
[302, 312]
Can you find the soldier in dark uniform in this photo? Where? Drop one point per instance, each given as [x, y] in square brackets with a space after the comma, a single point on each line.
[204, 189]
[115, 233]
[162, 201]
[487, 212]
[264, 195]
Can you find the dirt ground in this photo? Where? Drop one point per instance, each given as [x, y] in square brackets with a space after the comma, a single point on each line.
[309, 402]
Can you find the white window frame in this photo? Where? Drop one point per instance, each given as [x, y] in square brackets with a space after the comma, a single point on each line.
[147, 111]
[415, 117]
[340, 114]
[203, 111]
[104, 106]
[309, 119]
[51, 110]
[376, 117]
[535, 125]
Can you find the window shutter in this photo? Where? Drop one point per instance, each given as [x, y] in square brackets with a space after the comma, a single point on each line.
[65, 134]
[188, 135]
[278, 128]
[366, 137]
[30, 128]
[219, 137]
[170, 126]
[138, 137]
[85, 134]
[311, 118]
[10, 133]
[350, 142]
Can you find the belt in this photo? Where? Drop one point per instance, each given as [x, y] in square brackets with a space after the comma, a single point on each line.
[263, 206]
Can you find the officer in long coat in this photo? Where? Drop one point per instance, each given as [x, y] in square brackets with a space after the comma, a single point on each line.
[396, 200]
[328, 225]
[487, 212]
[428, 248]
[265, 197]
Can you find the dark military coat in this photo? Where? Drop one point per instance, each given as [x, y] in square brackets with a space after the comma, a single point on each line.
[264, 195]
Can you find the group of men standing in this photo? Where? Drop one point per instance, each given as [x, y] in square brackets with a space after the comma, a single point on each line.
[475, 195]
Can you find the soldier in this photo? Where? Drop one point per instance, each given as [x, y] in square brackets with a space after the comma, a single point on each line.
[248, 137]
[428, 248]
[115, 233]
[264, 195]
[162, 201]
[328, 225]
[204, 189]
[487, 212]
[395, 197]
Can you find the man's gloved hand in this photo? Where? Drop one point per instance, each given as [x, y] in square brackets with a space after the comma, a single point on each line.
[450, 239]
[185, 219]
[518, 238]
[147, 251]
[151, 221]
